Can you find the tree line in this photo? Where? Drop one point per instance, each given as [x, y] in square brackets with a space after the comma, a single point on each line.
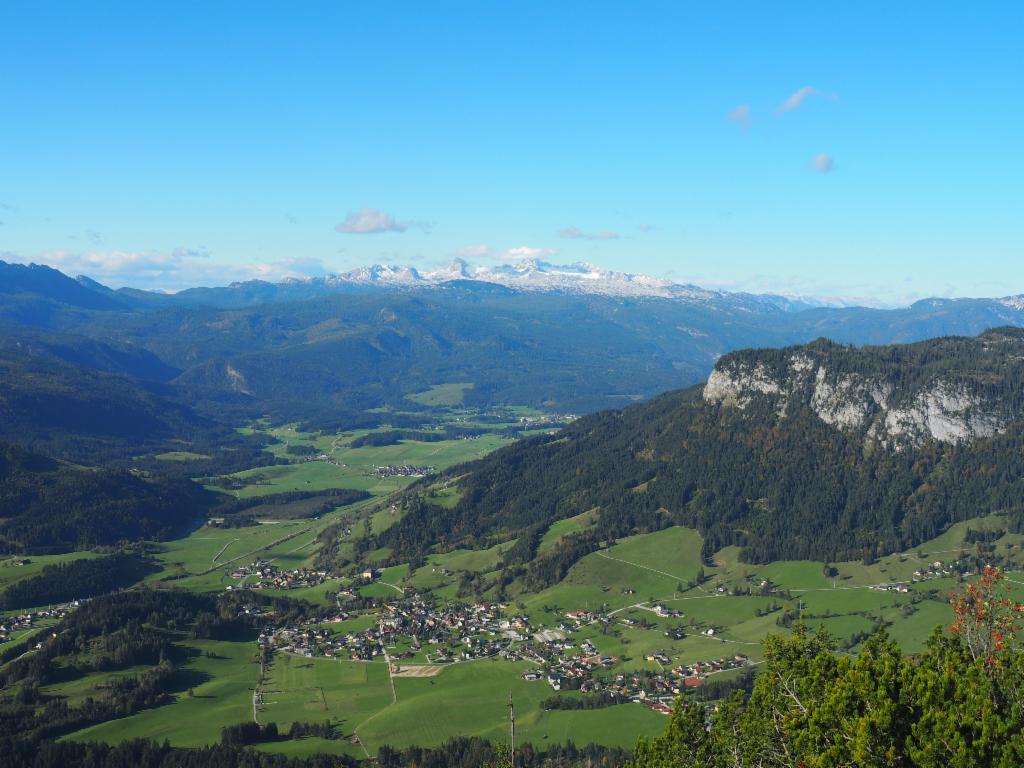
[77, 579]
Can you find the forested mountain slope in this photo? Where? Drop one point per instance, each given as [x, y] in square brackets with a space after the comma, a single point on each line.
[47, 506]
[81, 414]
[818, 451]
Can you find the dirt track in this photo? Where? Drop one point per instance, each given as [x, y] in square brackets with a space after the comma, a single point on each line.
[419, 670]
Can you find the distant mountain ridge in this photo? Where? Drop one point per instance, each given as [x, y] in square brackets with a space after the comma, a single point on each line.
[528, 275]
[569, 339]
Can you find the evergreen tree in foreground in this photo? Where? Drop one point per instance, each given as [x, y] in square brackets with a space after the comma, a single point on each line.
[960, 704]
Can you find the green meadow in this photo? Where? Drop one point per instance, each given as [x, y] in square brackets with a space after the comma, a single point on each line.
[203, 559]
[219, 693]
[441, 395]
[472, 699]
[17, 567]
[724, 607]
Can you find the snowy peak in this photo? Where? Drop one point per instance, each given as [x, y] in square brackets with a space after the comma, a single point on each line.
[529, 274]
[532, 274]
[379, 273]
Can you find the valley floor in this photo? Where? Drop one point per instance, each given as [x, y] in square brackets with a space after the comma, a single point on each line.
[663, 621]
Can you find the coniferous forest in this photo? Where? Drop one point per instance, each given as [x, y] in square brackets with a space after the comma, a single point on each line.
[781, 487]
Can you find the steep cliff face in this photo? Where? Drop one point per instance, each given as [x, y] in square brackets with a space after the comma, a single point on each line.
[950, 390]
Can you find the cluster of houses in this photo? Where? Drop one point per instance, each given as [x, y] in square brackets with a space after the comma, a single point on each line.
[892, 586]
[324, 457]
[403, 470]
[22, 622]
[411, 627]
[263, 575]
[444, 634]
[564, 664]
[938, 569]
[544, 419]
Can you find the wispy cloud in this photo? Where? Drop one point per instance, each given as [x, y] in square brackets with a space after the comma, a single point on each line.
[798, 97]
[478, 251]
[740, 115]
[823, 163]
[575, 233]
[169, 270]
[518, 253]
[371, 221]
[646, 227]
[527, 252]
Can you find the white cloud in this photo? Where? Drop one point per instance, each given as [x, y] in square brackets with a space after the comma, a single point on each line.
[800, 96]
[740, 115]
[370, 221]
[518, 253]
[823, 163]
[527, 252]
[276, 271]
[170, 270]
[575, 233]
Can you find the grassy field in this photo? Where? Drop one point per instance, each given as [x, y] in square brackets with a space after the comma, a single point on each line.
[636, 569]
[357, 465]
[472, 699]
[221, 695]
[640, 571]
[345, 693]
[442, 395]
[11, 571]
[201, 560]
[180, 456]
[563, 528]
[356, 697]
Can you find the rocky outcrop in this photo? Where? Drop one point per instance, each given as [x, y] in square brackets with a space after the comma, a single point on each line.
[895, 403]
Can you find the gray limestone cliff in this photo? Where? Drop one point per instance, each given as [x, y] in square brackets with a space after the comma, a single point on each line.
[951, 390]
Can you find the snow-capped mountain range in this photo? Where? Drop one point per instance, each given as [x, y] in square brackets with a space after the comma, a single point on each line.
[535, 275]
[528, 275]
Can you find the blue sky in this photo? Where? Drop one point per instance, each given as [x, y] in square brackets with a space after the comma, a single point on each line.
[867, 150]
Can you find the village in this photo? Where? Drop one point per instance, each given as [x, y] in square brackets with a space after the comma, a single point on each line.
[411, 632]
[403, 470]
[548, 419]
